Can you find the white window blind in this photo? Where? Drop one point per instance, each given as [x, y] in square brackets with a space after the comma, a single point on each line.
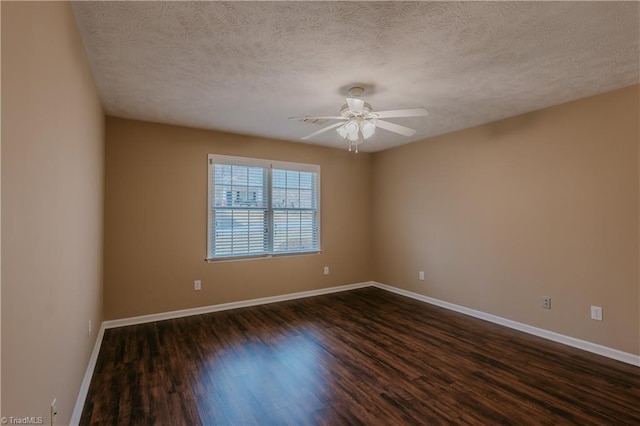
[261, 207]
[294, 206]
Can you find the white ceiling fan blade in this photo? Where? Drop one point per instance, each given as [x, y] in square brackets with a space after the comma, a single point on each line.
[409, 112]
[355, 105]
[395, 128]
[324, 129]
[335, 117]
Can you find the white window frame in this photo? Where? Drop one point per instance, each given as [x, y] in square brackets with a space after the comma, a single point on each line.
[269, 165]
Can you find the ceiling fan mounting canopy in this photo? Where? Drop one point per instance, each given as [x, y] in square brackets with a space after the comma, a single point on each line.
[358, 121]
[356, 92]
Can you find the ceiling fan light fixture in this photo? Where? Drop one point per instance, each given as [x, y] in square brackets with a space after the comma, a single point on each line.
[367, 128]
[353, 137]
[351, 131]
[348, 131]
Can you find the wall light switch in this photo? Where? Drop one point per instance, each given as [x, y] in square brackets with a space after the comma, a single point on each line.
[596, 313]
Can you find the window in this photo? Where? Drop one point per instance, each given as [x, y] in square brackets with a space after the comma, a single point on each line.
[262, 207]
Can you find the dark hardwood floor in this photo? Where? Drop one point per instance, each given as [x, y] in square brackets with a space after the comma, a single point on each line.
[359, 357]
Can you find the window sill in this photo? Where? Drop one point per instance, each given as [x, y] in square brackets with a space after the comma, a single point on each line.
[260, 257]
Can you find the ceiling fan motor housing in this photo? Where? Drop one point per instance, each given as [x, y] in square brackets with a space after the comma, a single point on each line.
[346, 112]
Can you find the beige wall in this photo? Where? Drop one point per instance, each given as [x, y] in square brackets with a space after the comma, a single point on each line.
[0, 212]
[156, 221]
[52, 180]
[500, 215]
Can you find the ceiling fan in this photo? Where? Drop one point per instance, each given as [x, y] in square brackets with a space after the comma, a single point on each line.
[359, 122]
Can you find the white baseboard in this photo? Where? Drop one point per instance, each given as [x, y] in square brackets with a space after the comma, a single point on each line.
[86, 380]
[556, 337]
[232, 305]
[550, 335]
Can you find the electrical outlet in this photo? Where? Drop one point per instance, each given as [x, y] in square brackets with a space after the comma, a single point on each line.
[89, 335]
[546, 302]
[54, 412]
[197, 285]
[326, 270]
[596, 313]
[421, 275]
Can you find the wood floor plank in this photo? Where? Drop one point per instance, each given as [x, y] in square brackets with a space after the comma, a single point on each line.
[360, 357]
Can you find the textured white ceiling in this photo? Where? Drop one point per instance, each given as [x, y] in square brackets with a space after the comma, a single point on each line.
[245, 67]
